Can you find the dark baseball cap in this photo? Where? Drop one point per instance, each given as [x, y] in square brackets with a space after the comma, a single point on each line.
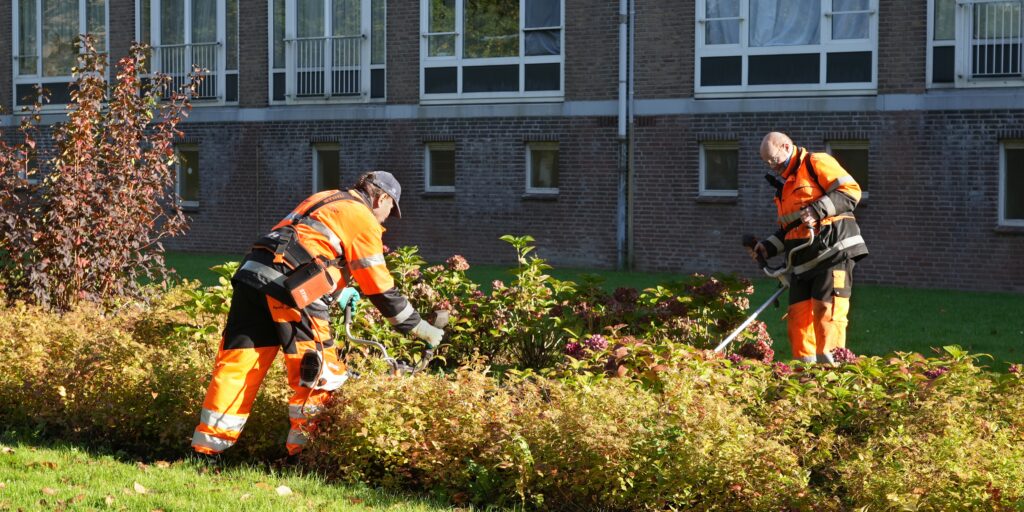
[386, 181]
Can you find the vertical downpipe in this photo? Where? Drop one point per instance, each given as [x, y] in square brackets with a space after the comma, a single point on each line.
[631, 143]
[620, 235]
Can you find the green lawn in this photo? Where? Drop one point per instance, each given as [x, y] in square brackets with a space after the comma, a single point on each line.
[883, 319]
[66, 477]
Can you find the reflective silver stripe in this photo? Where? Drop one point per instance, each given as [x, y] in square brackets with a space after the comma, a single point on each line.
[369, 261]
[326, 232]
[293, 216]
[842, 180]
[839, 246]
[786, 219]
[777, 243]
[222, 420]
[266, 272]
[296, 437]
[809, 359]
[208, 441]
[830, 207]
[402, 315]
[825, 358]
[297, 412]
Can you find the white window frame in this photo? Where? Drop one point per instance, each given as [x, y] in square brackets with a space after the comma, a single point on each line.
[703, 168]
[221, 72]
[961, 52]
[178, 173]
[317, 148]
[852, 144]
[458, 62]
[823, 48]
[1003, 146]
[38, 78]
[427, 166]
[542, 146]
[365, 55]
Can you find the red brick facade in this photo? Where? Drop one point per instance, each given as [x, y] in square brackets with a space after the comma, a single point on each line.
[931, 218]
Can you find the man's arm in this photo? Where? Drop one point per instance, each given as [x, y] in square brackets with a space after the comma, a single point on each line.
[842, 193]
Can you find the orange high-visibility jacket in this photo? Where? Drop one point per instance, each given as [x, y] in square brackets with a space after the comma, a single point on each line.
[346, 232]
[817, 179]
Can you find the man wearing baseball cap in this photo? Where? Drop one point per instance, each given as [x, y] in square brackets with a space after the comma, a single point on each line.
[281, 301]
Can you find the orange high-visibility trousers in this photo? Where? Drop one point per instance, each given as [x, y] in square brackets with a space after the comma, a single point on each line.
[258, 327]
[817, 318]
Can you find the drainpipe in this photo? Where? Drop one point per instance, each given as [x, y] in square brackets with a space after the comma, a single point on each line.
[620, 235]
[631, 168]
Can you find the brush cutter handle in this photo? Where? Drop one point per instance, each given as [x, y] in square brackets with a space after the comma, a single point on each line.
[397, 367]
[750, 242]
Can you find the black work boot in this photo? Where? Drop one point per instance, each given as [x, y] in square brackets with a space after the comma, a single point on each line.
[207, 461]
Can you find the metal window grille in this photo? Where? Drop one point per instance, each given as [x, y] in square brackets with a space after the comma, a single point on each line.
[327, 66]
[179, 60]
[994, 29]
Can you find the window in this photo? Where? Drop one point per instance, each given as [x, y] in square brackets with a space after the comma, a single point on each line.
[45, 44]
[31, 173]
[542, 168]
[1011, 184]
[491, 49]
[439, 163]
[187, 184]
[193, 33]
[975, 43]
[719, 169]
[326, 167]
[779, 46]
[327, 49]
[853, 156]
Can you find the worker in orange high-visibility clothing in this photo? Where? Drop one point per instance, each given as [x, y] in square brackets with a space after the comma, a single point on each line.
[334, 236]
[812, 189]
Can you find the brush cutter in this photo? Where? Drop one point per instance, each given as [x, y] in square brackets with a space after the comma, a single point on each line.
[314, 374]
[781, 273]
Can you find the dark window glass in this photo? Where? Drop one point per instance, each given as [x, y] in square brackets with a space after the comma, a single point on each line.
[442, 166]
[721, 169]
[188, 175]
[543, 42]
[799, 68]
[490, 78]
[544, 167]
[279, 79]
[231, 87]
[855, 161]
[1014, 192]
[721, 70]
[328, 169]
[996, 60]
[440, 80]
[543, 77]
[848, 67]
[376, 83]
[942, 64]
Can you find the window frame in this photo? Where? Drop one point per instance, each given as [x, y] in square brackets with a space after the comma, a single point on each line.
[428, 167]
[366, 56]
[1003, 146]
[178, 183]
[961, 78]
[825, 46]
[852, 144]
[459, 62]
[18, 79]
[541, 146]
[702, 189]
[317, 148]
[221, 73]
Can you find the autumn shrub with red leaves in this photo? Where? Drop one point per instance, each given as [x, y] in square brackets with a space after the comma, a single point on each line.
[89, 223]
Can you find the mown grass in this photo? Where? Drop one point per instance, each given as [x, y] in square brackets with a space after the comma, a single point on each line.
[883, 319]
[68, 477]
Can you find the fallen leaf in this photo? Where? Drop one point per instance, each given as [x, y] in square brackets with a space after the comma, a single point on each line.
[78, 498]
[155, 394]
[262, 485]
[355, 501]
[162, 464]
[109, 500]
[157, 510]
[284, 490]
[244, 497]
[139, 488]
[48, 491]
[142, 465]
[6, 449]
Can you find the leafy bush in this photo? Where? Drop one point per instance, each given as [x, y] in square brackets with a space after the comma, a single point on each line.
[93, 225]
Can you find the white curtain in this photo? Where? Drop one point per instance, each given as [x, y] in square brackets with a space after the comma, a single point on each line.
[722, 31]
[60, 36]
[850, 26]
[785, 22]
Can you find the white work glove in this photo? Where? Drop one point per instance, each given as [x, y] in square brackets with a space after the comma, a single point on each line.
[441, 318]
[428, 333]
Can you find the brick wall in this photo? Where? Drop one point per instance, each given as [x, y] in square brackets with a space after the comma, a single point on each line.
[664, 50]
[253, 85]
[902, 46]
[6, 94]
[121, 29]
[403, 51]
[591, 50]
[576, 229]
[930, 220]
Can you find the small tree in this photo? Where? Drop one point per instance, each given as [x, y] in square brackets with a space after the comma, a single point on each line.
[92, 227]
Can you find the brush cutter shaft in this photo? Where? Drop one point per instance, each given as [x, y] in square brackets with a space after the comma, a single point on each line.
[721, 346]
[396, 366]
